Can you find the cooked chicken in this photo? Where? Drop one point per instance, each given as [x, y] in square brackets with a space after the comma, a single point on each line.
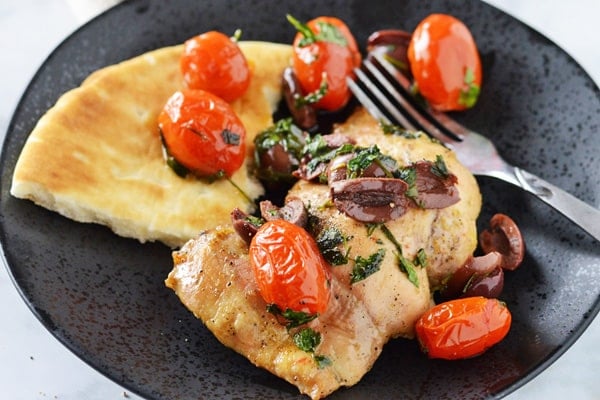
[447, 235]
[213, 278]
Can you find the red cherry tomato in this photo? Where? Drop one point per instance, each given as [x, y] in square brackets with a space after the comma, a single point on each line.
[317, 26]
[203, 133]
[445, 63]
[324, 47]
[462, 328]
[214, 62]
[289, 269]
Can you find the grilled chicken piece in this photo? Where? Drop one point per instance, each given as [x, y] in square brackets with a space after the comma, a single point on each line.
[213, 278]
[447, 235]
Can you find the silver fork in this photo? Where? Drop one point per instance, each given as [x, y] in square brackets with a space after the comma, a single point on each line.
[389, 103]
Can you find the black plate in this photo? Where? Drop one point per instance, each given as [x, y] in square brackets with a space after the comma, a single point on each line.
[103, 296]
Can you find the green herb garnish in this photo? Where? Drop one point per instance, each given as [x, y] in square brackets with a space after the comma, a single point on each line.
[365, 267]
[439, 168]
[313, 97]
[421, 258]
[327, 33]
[285, 134]
[255, 221]
[322, 361]
[404, 264]
[391, 129]
[328, 241]
[329, 155]
[365, 157]
[308, 340]
[408, 268]
[468, 95]
[409, 175]
[293, 318]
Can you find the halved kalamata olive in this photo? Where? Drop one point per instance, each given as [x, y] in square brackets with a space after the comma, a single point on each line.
[395, 42]
[481, 266]
[434, 191]
[277, 160]
[332, 141]
[243, 225]
[488, 285]
[504, 236]
[293, 211]
[381, 169]
[277, 152]
[304, 115]
[372, 200]
[337, 169]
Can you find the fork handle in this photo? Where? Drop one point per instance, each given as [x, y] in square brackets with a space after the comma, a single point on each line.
[581, 213]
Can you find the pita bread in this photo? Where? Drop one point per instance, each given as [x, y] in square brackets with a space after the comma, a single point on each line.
[96, 156]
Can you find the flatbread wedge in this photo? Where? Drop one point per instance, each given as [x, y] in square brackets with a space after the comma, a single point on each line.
[96, 156]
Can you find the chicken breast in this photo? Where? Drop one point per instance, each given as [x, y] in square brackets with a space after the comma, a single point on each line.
[447, 235]
[213, 278]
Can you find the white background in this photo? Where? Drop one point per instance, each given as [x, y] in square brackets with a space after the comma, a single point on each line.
[34, 365]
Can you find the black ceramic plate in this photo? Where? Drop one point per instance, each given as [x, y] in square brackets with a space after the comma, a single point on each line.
[103, 296]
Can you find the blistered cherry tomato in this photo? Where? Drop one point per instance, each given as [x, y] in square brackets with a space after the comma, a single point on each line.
[203, 133]
[324, 48]
[445, 63]
[214, 62]
[289, 269]
[462, 328]
[317, 26]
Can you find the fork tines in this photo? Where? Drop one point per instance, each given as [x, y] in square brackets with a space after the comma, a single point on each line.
[385, 93]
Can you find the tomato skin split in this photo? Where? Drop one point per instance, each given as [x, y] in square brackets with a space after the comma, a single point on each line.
[463, 328]
[203, 133]
[289, 268]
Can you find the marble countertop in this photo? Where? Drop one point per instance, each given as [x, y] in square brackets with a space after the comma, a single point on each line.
[34, 365]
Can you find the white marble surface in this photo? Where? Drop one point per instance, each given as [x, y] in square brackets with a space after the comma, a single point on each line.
[34, 365]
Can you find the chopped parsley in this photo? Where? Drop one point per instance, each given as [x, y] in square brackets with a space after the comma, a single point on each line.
[408, 268]
[312, 97]
[439, 168]
[322, 361]
[308, 340]
[327, 33]
[255, 221]
[409, 175]
[469, 94]
[293, 318]
[391, 129]
[371, 227]
[328, 241]
[365, 267]
[404, 264]
[421, 258]
[365, 157]
[322, 153]
[283, 132]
